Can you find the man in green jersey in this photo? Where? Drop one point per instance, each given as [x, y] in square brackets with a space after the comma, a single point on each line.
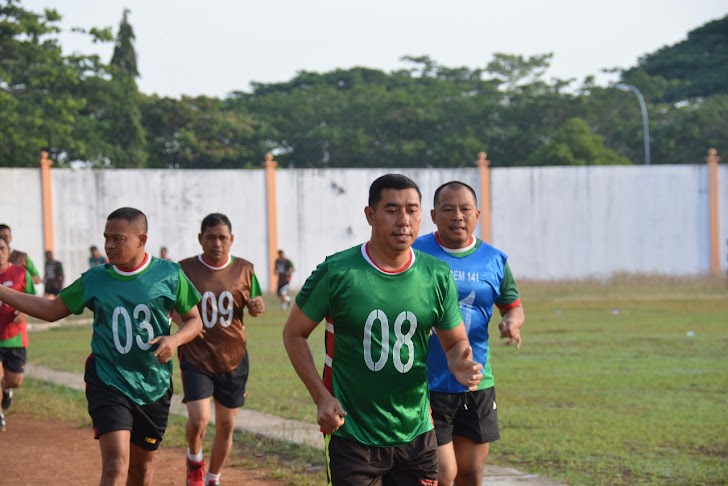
[128, 374]
[381, 301]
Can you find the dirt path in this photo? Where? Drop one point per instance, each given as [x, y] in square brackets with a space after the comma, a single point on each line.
[39, 453]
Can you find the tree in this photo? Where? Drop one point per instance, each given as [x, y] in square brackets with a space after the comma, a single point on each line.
[38, 86]
[575, 144]
[699, 64]
[124, 109]
[201, 133]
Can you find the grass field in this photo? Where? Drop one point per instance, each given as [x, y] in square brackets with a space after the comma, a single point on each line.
[618, 382]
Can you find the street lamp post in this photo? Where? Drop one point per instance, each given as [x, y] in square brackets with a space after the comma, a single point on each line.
[645, 124]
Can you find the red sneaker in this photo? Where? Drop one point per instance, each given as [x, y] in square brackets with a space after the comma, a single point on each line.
[195, 473]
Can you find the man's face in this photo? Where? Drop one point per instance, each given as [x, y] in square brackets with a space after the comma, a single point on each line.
[123, 241]
[4, 254]
[216, 242]
[5, 233]
[396, 218]
[456, 215]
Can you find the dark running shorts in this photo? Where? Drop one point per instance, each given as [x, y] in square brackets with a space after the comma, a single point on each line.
[226, 388]
[351, 463]
[283, 287]
[14, 359]
[472, 415]
[111, 410]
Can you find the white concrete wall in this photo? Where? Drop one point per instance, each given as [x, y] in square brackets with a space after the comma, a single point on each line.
[558, 222]
[21, 209]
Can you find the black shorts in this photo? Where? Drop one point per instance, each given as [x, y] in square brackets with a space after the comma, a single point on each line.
[283, 287]
[226, 388]
[472, 415]
[352, 463]
[14, 359]
[111, 410]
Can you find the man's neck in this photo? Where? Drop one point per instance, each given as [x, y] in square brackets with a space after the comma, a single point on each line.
[389, 260]
[133, 264]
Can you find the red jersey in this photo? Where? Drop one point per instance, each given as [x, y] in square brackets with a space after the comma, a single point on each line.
[15, 277]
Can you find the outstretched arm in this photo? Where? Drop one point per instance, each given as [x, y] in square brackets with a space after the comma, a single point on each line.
[34, 305]
[295, 338]
[460, 356]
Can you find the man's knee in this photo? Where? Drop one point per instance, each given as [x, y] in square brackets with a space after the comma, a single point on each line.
[12, 380]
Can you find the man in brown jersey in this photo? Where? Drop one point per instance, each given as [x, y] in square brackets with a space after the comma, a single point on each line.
[215, 364]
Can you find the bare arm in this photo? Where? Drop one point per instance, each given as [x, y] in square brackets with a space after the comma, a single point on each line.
[460, 356]
[295, 338]
[510, 326]
[189, 328]
[34, 305]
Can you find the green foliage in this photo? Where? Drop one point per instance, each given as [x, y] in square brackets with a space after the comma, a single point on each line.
[124, 57]
[37, 86]
[698, 65]
[202, 132]
[514, 70]
[79, 108]
[575, 144]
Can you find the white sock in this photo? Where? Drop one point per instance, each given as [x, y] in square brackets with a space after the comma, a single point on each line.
[212, 477]
[199, 457]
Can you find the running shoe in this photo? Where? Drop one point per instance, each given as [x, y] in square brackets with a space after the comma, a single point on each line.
[195, 473]
[7, 399]
[2, 422]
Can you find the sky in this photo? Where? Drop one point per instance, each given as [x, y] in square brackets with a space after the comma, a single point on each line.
[214, 47]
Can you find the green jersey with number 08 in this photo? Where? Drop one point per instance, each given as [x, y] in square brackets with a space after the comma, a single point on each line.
[130, 309]
[378, 324]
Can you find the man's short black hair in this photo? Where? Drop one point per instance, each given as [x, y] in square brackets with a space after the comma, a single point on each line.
[453, 183]
[214, 219]
[390, 181]
[132, 215]
[5, 227]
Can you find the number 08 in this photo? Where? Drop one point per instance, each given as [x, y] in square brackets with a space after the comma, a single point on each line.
[402, 340]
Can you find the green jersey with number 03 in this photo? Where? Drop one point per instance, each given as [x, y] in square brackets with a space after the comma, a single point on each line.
[378, 324]
[130, 309]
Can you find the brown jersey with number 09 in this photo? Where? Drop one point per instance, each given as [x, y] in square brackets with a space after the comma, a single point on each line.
[225, 291]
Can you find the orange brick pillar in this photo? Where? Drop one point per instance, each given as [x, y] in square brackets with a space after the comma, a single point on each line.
[713, 211]
[485, 212]
[272, 212]
[47, 197]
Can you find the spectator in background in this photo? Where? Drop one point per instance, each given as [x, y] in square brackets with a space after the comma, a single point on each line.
[53, 281]
[18, 257]
[96, 258]
[284, 269]
[163, 253]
